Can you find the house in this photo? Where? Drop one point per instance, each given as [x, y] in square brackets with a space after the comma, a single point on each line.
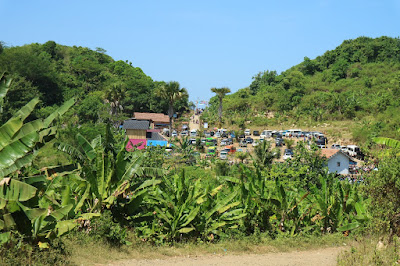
[338, 162]
[158, 120]
[140, 135]
[136, 130]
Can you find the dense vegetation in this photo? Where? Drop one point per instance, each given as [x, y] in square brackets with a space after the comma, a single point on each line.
[103, 88]
[359, 81]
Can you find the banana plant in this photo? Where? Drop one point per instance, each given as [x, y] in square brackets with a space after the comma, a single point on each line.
[254, 197]
[20, 213]
[20, 141]
[186, 207]
[108, 168]
[290, 215]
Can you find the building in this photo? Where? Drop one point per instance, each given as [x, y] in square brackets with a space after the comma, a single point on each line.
[157, 120]
[141, 135]
[337, 161]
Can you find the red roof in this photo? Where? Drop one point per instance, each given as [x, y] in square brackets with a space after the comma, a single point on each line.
[329, 153]
[155, 117]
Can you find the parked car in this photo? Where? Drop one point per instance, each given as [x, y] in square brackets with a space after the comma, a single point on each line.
[174, 134]
[230, 149]
[336, 146]
[321, 146]
[184, 133]
[217, 134]
[247, 132]
[288, 154]
[279, 142]
[243, 143]
[223, 155]
[249, 140]
[207, 134]
[266, 134]
[241, 136]
[211, 152]
[256, 143]
[193, 133]
[212, 133]
[224, 142]
[321, 141]
[256, 133]
[230, 141]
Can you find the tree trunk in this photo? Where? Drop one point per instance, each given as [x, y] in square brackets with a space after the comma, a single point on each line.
[170, 114]
[220, 112]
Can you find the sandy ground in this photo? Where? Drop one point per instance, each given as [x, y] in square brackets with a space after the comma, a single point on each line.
[326, 257]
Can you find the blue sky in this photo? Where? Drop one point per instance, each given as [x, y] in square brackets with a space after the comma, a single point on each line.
[200, 44]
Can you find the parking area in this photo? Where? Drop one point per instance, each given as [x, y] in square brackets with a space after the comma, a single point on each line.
[225, 140]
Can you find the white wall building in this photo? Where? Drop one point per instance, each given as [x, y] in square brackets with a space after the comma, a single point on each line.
[337, 161]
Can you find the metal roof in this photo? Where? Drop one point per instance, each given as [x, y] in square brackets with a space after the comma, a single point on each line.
[156, 136]
[136, 124]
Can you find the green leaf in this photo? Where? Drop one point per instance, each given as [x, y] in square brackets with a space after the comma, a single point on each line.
[25, 111]
[193, 213]
[349, 227]
[387, 141]
[17, 149]
[5, 237]
[185, 230]
[59, 112]
[62, 212]
[87, 148]
[14, 190]
[8, 130]
[63, 227]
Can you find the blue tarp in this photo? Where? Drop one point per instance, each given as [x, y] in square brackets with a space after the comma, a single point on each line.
[157, 143]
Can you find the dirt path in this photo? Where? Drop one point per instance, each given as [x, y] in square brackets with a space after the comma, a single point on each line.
[194, 125]
[326, 257]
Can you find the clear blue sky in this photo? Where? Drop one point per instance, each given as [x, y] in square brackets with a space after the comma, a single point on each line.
[200, 44]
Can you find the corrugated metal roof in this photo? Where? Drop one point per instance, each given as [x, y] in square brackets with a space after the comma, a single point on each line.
[136, 124]
[155, 117]
[156, 136]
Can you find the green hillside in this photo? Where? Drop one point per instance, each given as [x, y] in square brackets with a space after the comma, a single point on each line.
[56, 73]
[358, 81]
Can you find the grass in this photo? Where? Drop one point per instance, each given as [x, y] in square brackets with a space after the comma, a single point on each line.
[91, 251]
[371, 251]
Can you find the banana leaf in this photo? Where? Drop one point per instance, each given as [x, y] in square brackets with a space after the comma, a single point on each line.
[387, 141]
[59, 112]
[8, 130]
[17, 149]
[14, 190]
[349, 227]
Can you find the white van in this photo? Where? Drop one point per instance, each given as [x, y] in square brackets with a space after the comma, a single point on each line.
[353, 150]
[266, 134]
[293, 132]
[193, 133]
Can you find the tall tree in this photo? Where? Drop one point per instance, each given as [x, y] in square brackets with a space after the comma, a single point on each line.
[172, 92]
[221, 92]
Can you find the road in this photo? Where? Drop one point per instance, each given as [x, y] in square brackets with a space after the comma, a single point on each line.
[326, 257]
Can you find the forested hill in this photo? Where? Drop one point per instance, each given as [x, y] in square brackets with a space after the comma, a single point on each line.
[56, 73]
[360, 79]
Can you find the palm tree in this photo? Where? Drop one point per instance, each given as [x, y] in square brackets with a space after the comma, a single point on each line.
[172, 92]
[114, 94]
[221, 92]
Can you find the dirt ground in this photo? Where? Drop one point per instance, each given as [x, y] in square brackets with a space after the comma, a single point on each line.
[326, 257]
